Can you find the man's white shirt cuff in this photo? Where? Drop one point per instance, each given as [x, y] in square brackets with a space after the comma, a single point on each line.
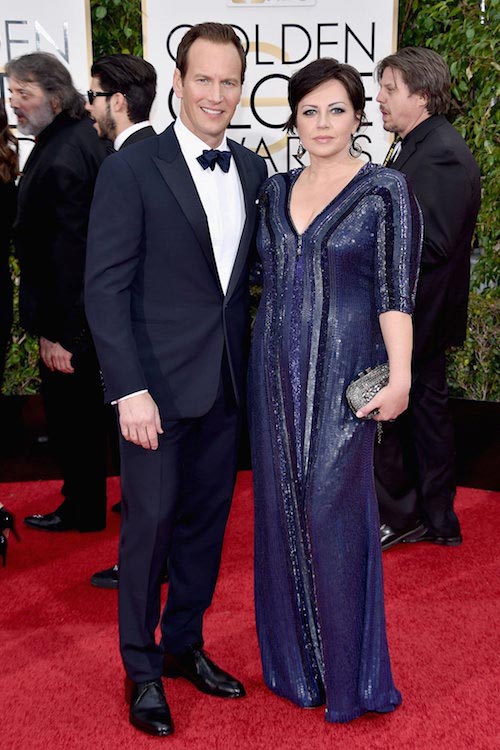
[129, 395]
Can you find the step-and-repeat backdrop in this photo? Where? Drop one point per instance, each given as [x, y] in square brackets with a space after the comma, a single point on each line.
[61, 27]
[280, 36]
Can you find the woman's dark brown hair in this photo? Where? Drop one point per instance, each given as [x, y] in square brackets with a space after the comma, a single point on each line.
[9, 162]
[317, 72]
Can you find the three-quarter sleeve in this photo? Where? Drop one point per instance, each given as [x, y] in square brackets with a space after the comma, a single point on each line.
[398, 243]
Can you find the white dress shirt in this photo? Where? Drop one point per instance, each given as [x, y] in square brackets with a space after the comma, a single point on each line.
[221, 196]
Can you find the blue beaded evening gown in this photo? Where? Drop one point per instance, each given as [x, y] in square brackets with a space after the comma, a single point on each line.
[318, 570]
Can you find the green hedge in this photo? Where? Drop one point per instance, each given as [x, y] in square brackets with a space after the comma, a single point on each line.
[116, 27]
[474, 369]
[464, 35]
[21, 368]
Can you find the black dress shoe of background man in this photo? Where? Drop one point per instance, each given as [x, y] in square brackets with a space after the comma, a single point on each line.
[435, 538]
[195, 666]
[149, 709]
[389, 536]
[108, 578]
[48, 522]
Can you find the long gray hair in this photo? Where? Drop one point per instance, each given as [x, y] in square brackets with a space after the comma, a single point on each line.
[53, 77]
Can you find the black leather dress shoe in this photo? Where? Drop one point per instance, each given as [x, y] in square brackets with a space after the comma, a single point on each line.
[106, 579]
[48, 522]
[149, 709]
[389, 536]
[431, 536]
[195, 666]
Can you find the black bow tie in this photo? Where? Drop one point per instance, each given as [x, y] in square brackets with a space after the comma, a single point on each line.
[213, 157]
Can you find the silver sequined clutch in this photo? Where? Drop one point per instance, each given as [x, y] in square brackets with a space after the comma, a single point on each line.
[368, 383]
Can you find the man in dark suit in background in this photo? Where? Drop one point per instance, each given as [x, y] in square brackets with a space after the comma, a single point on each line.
[171, 228]
[54, 199]
[415, 463]
[122, 91]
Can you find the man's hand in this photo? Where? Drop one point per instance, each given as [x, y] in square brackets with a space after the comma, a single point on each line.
[55, 356]
[140, 420]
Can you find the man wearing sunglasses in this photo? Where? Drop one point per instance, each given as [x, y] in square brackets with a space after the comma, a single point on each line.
[55, 193]
[123, 88]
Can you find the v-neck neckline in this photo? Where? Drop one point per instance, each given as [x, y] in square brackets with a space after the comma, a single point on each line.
[294, 179]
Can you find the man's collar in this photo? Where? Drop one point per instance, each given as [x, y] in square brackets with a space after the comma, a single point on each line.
[421, 130]
[62, 120]
[122, 137]
[190, 144]
[59, 121]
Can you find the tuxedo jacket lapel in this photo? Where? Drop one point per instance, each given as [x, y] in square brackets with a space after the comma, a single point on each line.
[406, 152]
[248, 227]
[174, 170]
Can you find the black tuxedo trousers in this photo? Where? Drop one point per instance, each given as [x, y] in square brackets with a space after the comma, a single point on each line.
[176, 502]
[415, 462]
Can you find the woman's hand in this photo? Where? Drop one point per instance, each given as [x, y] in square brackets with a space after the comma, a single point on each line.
[389, 403]
[392, 400]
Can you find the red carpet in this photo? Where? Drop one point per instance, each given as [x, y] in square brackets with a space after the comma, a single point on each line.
[61, 682]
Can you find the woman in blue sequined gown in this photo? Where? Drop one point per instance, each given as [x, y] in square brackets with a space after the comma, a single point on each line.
[339, 244]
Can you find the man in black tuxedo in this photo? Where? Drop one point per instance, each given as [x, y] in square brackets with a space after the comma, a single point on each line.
[171, 228]
[414, 465]
[122, 91]
[55, 193]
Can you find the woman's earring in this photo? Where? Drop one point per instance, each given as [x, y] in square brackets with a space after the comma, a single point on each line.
[355, 149]
[301, 150]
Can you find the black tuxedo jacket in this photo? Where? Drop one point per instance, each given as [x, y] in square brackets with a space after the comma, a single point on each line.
[153, 298]
[54, 200]
[446, 181]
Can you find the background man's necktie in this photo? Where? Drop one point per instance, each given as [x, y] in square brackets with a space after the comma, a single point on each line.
[393, 152]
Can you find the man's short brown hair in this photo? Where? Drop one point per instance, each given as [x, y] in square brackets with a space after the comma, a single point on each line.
[220, 33]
